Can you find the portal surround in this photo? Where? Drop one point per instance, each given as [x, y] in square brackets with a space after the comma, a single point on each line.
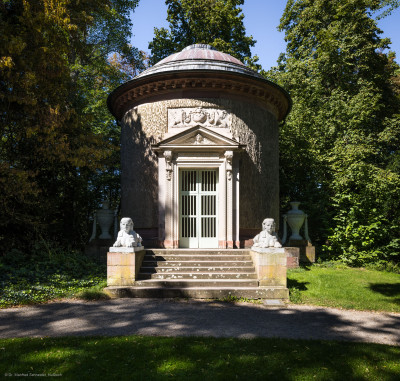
[171, 164]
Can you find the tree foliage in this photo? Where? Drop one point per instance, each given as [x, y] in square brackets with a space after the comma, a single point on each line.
[57, 139]
[388, 6]
[215, 22]
[339, 145]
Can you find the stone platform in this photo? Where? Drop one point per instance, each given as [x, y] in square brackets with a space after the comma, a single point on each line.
[199, 292]
[307, 250]
[198, 273]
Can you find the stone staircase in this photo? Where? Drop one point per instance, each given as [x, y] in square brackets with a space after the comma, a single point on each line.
[199, 273]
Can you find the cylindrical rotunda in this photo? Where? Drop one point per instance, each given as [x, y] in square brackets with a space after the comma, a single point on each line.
[199, 149]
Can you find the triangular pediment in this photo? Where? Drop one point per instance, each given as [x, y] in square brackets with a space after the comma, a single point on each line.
[198, 136]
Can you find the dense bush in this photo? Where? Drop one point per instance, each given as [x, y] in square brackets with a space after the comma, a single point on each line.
[363, 237]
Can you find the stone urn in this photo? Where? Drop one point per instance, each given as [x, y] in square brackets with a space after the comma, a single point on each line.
[199, 116]
[105, 217]
[295, 219]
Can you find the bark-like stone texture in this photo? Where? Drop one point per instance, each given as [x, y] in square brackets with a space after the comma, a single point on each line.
[252, 125]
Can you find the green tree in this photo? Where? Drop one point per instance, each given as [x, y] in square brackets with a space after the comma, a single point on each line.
[340, 141]
[57, 141]
[215, 22]
[388, 6]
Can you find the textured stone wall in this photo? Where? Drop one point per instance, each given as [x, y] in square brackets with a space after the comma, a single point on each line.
[252, 125]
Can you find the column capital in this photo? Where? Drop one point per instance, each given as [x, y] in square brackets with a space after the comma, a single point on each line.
[228, 156]
[168, 162]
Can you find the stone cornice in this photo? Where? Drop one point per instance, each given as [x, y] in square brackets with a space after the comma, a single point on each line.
[198, 83]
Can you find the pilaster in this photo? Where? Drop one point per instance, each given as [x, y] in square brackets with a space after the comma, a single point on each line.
[229, 199]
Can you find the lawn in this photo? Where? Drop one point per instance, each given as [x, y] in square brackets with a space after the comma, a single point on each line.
[342, 287]
[160, 358]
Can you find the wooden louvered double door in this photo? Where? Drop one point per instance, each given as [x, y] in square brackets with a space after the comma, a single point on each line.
[198, 205]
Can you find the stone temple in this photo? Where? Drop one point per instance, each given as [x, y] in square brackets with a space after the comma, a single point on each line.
[199, 149]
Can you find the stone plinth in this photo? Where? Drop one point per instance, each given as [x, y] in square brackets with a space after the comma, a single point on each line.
[270, 264]
[98, 248]
[292, 257]
[123, 265]
[307, 250]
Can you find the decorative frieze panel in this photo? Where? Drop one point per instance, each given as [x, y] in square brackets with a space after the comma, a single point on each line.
[198, 116]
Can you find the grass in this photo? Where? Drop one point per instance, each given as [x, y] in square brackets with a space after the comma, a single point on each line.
[194, 358]
[94, 293]
[237, 299]
[343, 287]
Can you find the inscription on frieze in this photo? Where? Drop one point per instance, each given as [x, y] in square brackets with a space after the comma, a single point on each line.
[198, 116]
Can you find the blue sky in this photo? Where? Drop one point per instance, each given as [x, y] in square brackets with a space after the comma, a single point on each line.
[261, 19]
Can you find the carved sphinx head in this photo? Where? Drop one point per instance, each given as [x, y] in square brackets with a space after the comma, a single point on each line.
[268, 225]
[126, 224]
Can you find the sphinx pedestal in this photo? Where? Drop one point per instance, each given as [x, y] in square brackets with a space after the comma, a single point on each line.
[123, 265]
[270, 264]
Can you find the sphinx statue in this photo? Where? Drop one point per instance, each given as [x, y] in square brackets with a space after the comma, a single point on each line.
[127, 237]
[267, 237]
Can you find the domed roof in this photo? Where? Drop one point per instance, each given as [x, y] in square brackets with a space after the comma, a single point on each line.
[199, 57]
[200, 52]
[203, 69]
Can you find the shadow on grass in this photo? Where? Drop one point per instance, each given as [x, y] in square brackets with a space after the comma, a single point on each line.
[199, 358]
[302, 286]
[305, 266]
[387, 289]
